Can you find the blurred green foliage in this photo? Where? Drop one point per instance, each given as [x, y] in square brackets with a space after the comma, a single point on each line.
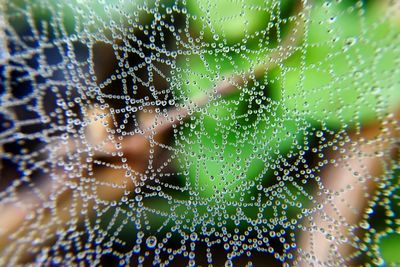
[341, 78]
[344, 75]
[390, 247]
[230, 21]
[227, 133]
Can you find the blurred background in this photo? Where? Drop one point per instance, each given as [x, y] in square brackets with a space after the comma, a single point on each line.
[223, 133]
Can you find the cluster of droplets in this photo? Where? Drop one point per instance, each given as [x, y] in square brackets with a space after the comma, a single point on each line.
[161, 132]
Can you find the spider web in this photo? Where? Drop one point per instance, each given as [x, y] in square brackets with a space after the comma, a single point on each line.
[198, 133]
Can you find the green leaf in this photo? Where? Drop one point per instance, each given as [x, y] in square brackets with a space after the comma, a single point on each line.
[221, 158]
[390, 247]
[230, 20]
[344, 75]
[235, 137]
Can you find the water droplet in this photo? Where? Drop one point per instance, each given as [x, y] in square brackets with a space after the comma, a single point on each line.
[151, 241]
